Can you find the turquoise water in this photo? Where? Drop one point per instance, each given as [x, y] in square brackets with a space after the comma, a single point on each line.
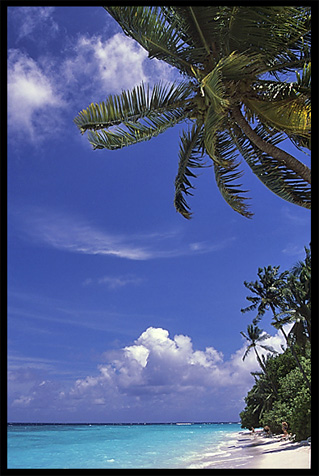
[114, 446]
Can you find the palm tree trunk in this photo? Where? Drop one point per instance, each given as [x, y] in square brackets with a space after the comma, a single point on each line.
[291, 162]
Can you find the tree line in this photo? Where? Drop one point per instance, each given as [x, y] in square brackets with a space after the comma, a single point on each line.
[282, 388]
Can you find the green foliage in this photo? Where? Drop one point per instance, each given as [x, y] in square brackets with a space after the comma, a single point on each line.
[301, 416]
[280, 412]
[233, 60]
[293, 406]
[290, 371]
[293, 403]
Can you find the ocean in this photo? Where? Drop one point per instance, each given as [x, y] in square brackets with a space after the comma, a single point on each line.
[125, 446]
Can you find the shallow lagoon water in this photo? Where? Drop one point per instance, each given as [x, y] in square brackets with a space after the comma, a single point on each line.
[116, 446]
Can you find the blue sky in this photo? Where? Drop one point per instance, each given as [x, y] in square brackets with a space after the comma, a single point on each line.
[119, 309]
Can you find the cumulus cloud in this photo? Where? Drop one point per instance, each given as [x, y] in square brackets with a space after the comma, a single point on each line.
[115, 63]
[158, 364]
[119, 60]
[85, 71]
[155, 374]
[32, 96]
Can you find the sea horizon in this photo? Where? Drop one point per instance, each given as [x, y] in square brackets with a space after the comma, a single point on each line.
[129, 423]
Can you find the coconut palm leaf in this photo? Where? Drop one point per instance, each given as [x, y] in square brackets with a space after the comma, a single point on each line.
[225, 176]
[279, 179]
[212, 85]
[274, 90]
[247, 350]
[133, 132]
[214, 122]
[190, 157]
[224, 51]
[133, 105]
[290, 115]
[269, 348]
[203, 29]
[264, 29]
[199, 21]
[229, 191]
[148, 26]
[242, 66]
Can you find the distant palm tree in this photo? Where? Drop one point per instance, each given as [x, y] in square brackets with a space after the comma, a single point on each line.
[273, 290]
[267, 291]
[235, 95]
[254, 337]
[298, 299]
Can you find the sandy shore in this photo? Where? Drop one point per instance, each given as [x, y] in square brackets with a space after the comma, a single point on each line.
[252, 451]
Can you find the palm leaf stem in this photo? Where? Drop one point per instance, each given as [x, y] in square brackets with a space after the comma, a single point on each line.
[199, 30]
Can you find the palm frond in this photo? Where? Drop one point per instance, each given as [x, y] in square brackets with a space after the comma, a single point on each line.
[190, 155]
[212, 85]
[275, 90]
[198, 25]
[133, 132]
[225, 152]
[244, 335]
[304, 79]
[269, 348]
[214, 122]
[149, 27]
[269, 30]
[253, 306]
[242, 66]
[293, 116]
[259, 335]
[204, 29]
[247, 351]
[133, 105]
[277, 177]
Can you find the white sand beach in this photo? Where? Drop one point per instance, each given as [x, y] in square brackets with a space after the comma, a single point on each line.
[254, 451]
[269, 453]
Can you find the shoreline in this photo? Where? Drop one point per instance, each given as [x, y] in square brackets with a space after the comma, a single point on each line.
[245, 450]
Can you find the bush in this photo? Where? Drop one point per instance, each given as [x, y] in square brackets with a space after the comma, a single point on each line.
[301, 415]
[280, 412]
[292, 404]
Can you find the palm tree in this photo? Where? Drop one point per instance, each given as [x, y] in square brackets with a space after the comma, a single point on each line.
[254, 337]
[273, 290]
[234, 95]
[298, 299]
[267, 291]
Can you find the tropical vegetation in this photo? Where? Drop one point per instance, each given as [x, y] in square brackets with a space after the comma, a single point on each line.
[245, 88]
[282, 389]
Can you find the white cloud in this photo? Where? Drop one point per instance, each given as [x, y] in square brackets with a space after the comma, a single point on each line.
[294, 250]
[67, 233]
[116, 63]
[156, 376]
[32, 96]
[85, 71]
[119, 60]
[29, 19]
[158, 364]
[115, 282]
